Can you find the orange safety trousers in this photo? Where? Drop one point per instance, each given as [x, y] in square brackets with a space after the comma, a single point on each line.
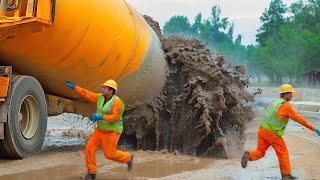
[265, 140]
[109, 142]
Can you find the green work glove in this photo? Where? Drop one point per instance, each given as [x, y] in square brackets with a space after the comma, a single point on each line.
[318, 131]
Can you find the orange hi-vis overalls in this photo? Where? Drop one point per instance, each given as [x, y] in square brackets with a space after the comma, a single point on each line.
[107, 139]
[267, 138]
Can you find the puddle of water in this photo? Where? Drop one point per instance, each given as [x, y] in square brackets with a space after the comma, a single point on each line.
[146, 168]
[61, 172]
[160, 168]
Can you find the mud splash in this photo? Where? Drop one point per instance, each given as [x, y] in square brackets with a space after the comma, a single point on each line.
[67, 130]
[202, 109]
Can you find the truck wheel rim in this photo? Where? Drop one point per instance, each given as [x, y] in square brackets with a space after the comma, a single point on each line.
[29, 116]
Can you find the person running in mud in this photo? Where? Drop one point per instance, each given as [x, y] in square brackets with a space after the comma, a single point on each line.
[272, 128]
[109, 126]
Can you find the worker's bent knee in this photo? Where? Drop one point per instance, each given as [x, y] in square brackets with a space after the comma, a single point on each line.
[255, 155]
[110, 155]
[262, 154]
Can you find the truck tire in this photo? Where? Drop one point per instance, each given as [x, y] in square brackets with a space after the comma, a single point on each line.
[27, 119]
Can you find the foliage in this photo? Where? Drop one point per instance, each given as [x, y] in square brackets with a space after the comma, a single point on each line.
[178, 25]
[292, 46]
[272, 19]
[288, 39]
[216, 31]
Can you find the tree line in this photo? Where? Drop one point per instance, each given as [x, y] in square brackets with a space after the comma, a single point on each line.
[215, 31]
[288, 41]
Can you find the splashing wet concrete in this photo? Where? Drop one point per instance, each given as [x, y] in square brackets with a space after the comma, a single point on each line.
[202, 109]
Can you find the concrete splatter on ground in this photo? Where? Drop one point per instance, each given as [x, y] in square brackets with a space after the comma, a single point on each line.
[67, 130]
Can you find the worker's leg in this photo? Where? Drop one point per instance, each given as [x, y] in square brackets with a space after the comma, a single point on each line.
[90, 151]
[262, 146]
[282, 152]
[109, 143]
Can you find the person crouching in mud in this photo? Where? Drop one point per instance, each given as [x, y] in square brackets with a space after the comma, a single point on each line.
[272, 128]
[109, 126]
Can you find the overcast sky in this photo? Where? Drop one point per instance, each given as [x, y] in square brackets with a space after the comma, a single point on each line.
[244, 13]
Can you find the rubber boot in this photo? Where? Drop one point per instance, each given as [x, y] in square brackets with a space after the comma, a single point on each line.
[245, 159]
[288, 176]
[89, 176]
[130, 163]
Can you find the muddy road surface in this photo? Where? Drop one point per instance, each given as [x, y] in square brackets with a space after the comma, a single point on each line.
[67, 160]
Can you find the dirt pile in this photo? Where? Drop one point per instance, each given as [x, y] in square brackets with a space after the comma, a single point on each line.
[202, 109]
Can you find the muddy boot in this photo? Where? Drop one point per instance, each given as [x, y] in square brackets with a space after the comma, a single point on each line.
[288, 176]
[89, 176]
[245, 159]
[130, 163]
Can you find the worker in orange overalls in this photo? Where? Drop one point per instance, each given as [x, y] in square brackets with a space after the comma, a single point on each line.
[109, 126]
[272, 128]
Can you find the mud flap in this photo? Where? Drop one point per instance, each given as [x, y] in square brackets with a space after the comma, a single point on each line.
[1, 130]
[4, 111]
[5, 94]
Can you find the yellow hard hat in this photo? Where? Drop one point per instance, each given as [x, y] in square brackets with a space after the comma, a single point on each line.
[286, 88]
[111, 83]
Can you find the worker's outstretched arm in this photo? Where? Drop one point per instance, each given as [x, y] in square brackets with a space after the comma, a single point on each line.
[84, 93]
[116, 111]
[287, 111]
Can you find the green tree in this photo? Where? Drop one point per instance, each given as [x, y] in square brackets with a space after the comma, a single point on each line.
[216, 31]
[197, 27]
[230, 31]
[272, 19]
[238, 40]
[306, 15]
[218, 26]
[177, 25]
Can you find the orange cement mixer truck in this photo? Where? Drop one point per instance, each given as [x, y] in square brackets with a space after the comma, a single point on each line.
[45, 42]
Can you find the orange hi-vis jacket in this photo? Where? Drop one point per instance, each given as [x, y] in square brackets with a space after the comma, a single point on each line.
[286, 111]
[93, 97]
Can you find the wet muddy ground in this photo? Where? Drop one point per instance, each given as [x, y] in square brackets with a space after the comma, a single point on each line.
[68, 162]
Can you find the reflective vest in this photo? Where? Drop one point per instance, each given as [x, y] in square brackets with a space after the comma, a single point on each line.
[106, 109]
[271, 121]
